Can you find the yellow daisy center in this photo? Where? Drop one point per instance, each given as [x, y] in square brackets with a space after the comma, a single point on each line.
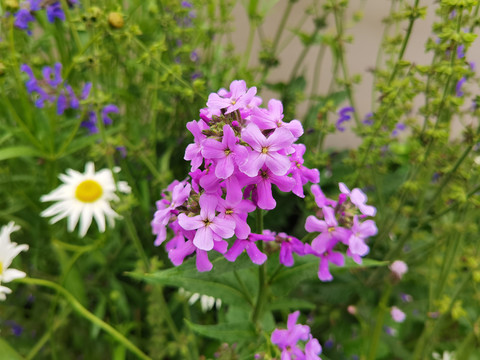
[1, 268]
[88, 191]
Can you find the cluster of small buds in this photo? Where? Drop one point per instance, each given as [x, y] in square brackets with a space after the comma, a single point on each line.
[340, 223]
[239, 151]
[53, 89]
[25, 15]
[288, 341]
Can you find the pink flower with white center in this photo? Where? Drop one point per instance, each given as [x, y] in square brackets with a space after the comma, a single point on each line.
[210, 228]
[287, 340]
[238, 97]
[320, 199]
[237, 212]
[330, 232]
[361, 231]
[288, 246]
[398, 268]
[300, 173]
[262, 191]
[326, 257]
[249, 245]
[397, 314]
[312, 349]
[193, 152]
[272, 119]
[359, 199]
[266, 151]
[186, 248]
[227, 153]
[165, 209]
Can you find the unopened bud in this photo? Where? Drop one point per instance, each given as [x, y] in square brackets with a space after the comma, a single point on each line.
[115, 19]
[352, 309]
[398, 268]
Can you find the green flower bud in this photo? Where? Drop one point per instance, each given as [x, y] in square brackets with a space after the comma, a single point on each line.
[115, 19]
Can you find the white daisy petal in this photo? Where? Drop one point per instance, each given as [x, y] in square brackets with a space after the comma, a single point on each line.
[8, 251]
[12, 274]
[85, 220]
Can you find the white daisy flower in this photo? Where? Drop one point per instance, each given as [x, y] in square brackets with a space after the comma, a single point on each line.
[8, 251]
[84, 197]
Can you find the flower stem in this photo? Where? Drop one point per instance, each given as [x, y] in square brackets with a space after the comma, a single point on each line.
[79, 309]
[377, 331]
[262, 273]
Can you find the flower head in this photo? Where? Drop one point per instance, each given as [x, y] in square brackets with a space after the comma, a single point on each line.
[84, 197]
[287, 340]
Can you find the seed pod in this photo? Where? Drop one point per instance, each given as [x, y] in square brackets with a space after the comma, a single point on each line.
[115, 19]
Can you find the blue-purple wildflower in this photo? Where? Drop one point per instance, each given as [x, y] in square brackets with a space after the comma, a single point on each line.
[25, 15]
[458, 87]
[368, 120]
[398, 128]
[344, 116]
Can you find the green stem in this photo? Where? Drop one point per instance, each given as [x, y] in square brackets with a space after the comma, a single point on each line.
[262, 274]
[433, 325]
[76, 38]
[79, 309]
[377, 332]
[411, 21]
[136, 241]
[343, 63]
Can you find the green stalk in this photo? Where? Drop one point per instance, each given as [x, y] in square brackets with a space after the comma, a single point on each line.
[343, 63]
[76, 38]
[377, 331]
[80, 310]
[262, 273]
[136, 241]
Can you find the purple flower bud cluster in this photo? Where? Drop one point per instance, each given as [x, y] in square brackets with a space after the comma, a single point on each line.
[288, 341]
[340, 222]
[239, 152]
[54, 90]
[25, 15]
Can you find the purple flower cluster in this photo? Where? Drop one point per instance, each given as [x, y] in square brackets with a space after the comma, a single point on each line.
[340, 223]
[25, 15]
[287, 340]
[239, 152]
[54, 90]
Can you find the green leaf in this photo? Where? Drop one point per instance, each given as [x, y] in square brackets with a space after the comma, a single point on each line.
[227, 332]
[307, 268]
[18, 151]
[8, 352]
[216, 283]
[289, 304]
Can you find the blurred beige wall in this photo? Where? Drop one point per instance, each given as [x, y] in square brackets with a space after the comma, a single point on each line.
[361, 53]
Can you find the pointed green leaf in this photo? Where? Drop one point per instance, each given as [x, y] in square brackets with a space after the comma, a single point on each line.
[307, 268]
[7, 352]
[18, 151]
[227, 332]
[216, 283]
